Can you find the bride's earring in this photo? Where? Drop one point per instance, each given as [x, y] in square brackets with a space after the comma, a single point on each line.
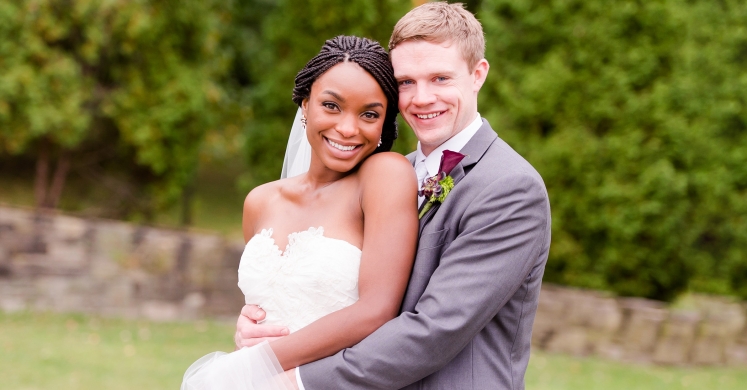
[303, 124]
[379, 145]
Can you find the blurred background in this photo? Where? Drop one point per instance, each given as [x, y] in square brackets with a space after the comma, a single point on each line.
[166, 113]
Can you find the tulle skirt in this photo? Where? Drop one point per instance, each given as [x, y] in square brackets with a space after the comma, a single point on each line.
[254, 368]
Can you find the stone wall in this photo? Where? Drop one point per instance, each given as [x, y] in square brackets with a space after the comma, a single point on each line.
[61, 263]
[711, 331]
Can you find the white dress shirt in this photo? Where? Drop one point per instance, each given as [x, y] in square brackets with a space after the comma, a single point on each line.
[433, 160]
[431, 163]
[298, 380]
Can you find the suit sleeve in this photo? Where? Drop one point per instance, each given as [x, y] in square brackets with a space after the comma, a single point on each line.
[500, 238]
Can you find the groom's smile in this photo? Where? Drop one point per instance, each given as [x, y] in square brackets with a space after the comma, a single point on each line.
[429, 116]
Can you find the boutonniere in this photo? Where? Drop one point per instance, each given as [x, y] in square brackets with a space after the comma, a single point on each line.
[436, 188]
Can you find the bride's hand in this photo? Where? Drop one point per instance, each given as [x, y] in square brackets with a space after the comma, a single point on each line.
[250, 333]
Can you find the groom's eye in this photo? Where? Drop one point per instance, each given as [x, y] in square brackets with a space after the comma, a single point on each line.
[405, 82]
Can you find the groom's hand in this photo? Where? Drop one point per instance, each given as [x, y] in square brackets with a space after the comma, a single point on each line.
[250, 333]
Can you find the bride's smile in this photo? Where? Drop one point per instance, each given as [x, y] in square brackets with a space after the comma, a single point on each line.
[340, 146]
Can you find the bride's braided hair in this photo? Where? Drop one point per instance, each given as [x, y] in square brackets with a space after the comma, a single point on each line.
[371, 57]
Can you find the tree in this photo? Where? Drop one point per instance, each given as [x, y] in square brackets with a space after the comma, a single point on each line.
[119, 80]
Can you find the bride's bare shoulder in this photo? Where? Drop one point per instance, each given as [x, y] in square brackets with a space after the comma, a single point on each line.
[389, 169]
[262, 195]
[387, 163]
[257, 202]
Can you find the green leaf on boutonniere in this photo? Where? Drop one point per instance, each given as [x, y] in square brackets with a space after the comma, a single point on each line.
[446, 184]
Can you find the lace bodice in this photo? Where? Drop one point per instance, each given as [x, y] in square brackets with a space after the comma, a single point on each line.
[314, 276]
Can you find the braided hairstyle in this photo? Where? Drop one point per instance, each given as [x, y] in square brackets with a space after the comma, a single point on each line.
[372, 58]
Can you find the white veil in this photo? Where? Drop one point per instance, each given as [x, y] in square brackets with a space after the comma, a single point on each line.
[298, 153]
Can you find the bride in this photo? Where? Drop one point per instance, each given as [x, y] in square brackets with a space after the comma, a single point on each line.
[348, 223]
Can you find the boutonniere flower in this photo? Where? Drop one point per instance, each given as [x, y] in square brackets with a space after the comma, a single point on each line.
[436, 188]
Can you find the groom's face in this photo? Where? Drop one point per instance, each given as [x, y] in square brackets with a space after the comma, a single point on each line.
[437, 90]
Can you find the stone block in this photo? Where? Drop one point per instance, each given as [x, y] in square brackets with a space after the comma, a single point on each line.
[157, 251]
[642, 320]
[736, 354]
[11, 304]
[551, 314]
[112, 242]
[68, 242]
[610, 350]
[104, 269]
[193, 305]
[116, 292]
[53, 292]
[570, 340]
[232, 255]
[676, 339]
[720, 329]
[68, 228]
[603, 322]
[606, 316]
[70, 256]
[18, 232]
[708, 350]
[224, 303]
[20, 220]
[204, 260]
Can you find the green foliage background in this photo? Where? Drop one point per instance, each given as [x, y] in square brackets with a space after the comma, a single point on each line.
[633, 111]
[113, 83]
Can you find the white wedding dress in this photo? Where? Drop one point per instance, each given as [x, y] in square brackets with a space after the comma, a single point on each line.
[314, 276]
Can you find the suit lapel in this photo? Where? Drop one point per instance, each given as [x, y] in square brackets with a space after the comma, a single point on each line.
[474, 150]
[411, 157]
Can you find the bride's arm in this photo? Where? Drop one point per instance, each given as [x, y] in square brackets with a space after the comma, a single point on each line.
[389, 203]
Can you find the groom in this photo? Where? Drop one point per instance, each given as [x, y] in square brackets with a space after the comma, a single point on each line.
[466, 319]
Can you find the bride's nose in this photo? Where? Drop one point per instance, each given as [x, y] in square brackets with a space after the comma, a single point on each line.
[348, 125]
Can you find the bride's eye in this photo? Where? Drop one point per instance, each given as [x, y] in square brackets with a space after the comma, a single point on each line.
[371, 115]
[330, 106]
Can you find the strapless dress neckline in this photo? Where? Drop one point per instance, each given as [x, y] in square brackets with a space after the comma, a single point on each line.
[317, 232]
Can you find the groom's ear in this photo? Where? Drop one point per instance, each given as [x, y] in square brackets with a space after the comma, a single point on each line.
[481, 73]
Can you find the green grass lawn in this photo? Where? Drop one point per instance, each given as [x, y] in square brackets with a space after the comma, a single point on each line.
[558, 372]
[62, 351]
[52, 351]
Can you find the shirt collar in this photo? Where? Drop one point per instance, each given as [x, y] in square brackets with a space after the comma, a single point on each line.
[455, 143]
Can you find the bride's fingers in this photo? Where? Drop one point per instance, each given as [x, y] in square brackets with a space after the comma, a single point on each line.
[253, 312]
[249, 330]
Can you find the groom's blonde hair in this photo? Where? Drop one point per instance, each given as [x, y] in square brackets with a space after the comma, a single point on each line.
[439, 22]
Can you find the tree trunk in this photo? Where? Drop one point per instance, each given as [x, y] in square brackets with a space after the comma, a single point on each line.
[42, 171]
[58, 181]
[46, 195]
[186, 216]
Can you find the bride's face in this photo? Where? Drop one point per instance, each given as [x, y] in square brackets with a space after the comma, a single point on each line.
[345, 114]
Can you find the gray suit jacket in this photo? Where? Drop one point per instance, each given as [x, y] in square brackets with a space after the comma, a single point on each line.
[466, 319]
